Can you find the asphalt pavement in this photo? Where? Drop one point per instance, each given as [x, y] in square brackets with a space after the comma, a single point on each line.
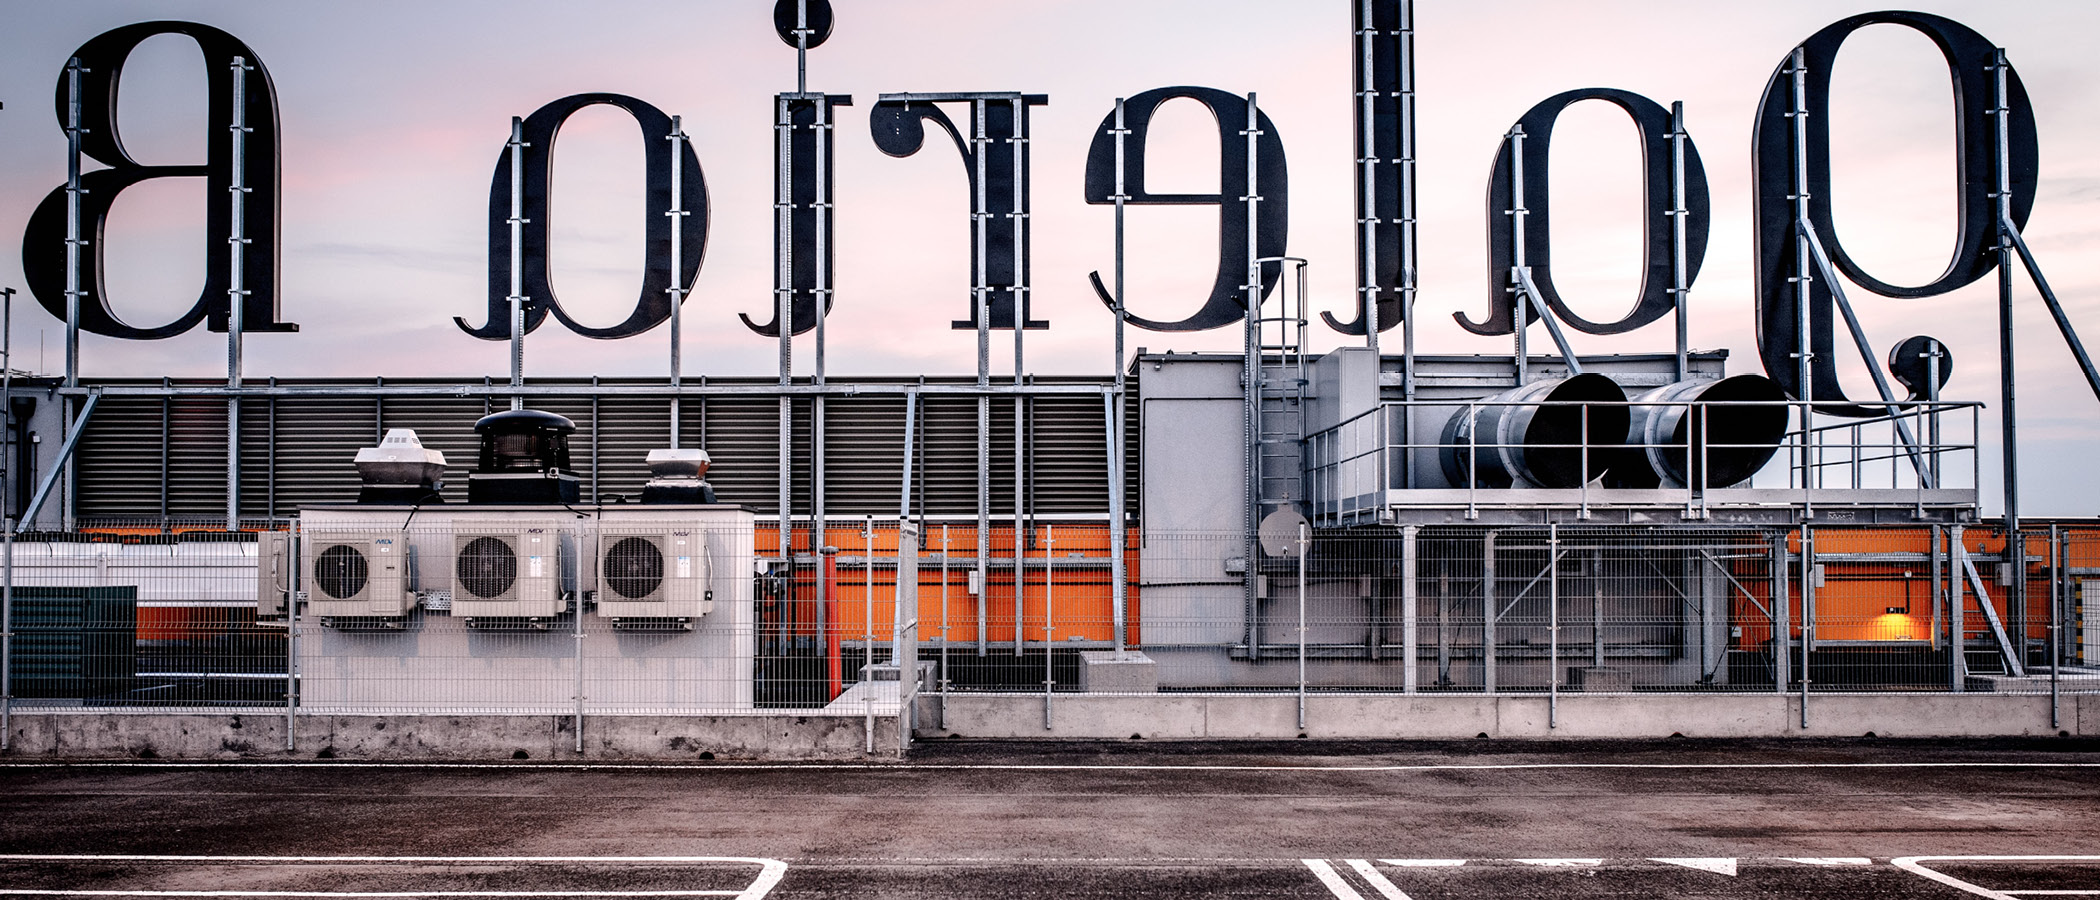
[1488, 819]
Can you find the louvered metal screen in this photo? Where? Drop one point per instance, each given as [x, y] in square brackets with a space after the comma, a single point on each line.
[154, 458]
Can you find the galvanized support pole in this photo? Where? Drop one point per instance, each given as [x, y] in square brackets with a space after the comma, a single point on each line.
[1367, 180]
[1804, 278]
[291, 641]
[517, 259]
[980, 221]
[1680, 269]
[1487, 613]
[1250, 385]
[784, 317]
[1049, 622]
[946, 638]
[1552, 625]
[7, 517]
[1517, 214]
[74, 241]
[1936, 562]
[2056, 578]
[677, 214]
[236, 288]
[2008, 418]
[867, 598]
[1409, 257]
[1304, 550]
[577, 605]
[1808, 613]
[1957, 613]
[1117, 536]
[1782, 618]
[820, 132]
[1410, 607]
[1019, 215]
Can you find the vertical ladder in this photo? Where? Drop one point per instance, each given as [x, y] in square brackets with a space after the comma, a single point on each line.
[1279, 395]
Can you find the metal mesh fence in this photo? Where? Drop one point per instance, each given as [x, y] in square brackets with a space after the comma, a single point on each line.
[610, 611]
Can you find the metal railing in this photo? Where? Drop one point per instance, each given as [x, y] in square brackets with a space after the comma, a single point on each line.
[1925, 455]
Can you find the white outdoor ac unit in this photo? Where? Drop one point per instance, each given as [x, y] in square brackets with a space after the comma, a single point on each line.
[354, 574]
[507, 569]
[652, 573]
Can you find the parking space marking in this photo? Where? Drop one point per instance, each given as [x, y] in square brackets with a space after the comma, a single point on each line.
[1423, 863]
[771, 871]
[1916, 866]
[1026, 767]
[1830, 860]
[1575, 863]
[1720, 865]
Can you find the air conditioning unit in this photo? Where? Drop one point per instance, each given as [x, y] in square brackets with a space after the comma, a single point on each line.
[653, 575]
[354, 578]
[508, 572]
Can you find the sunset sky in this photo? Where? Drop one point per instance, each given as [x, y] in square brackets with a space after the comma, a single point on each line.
[394, 113]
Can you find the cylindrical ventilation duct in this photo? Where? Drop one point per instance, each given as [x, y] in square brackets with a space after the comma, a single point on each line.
[1710, 443]
[1537, 439]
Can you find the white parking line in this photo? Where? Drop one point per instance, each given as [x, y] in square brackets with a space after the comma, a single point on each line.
[1024, 767]
[1830, 860]
[1721, 865]
[769, 875]
[1916, 865]
[1582, 863]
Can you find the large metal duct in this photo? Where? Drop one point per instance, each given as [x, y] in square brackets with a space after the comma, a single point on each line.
[1537, 441]
[1673, 445]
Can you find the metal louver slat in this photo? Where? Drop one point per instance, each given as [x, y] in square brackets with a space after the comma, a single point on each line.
[120, 459]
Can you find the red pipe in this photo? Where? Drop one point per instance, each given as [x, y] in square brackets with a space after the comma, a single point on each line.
[833, 663]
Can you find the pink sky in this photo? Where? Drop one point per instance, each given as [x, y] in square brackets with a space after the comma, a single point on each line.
[394, 113]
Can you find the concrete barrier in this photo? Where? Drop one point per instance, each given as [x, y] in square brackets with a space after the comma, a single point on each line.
[76, 735]
[92, 735]
[1432, 717]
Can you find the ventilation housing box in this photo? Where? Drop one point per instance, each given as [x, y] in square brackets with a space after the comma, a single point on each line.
[509, 570]
[355, 577]
[652, 571]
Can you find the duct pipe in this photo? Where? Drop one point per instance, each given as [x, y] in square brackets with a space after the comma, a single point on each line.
[1533, 436]
[1670, 442]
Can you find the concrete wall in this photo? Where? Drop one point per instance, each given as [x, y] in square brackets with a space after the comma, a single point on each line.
[1376, 717]
[99, 736]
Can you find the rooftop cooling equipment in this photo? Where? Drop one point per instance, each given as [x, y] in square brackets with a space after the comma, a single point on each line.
[653, 576]
[507, 572]
[400, 471]
[356, 579]
[1722, 442]
[1534, 435]
[524, 459]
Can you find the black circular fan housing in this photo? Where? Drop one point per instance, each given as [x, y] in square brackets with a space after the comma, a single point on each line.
[634, 568]
[486, 567]
[341, 571]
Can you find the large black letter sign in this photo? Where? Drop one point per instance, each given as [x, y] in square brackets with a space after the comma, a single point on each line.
[1969, 60]
[1226, 304]
[1384, 91]
[44, 242]
[996, 157]
[802, 203]
[653, 307]
[1654, 300]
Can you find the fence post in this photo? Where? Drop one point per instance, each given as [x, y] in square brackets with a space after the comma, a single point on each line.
[1487, 614]
[1808, 612]
[291, 639]
[1410, 607]
[1552, 625]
